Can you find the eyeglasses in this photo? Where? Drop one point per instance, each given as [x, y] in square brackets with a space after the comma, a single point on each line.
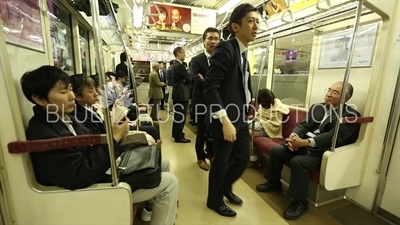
[333, 92]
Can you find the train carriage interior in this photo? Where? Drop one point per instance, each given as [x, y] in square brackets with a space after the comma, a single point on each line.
[302, 47]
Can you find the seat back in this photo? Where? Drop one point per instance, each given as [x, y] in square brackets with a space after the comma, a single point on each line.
[291, 120]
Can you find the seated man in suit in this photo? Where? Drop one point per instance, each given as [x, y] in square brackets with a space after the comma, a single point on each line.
[86, 96]
[49, 88]
[305, 147]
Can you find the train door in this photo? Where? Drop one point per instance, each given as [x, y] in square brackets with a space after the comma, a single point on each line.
[387, 203]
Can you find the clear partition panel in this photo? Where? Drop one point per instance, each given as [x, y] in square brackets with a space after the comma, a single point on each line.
[258, 52]
[84, 45]
[292, 67]
[61, 37]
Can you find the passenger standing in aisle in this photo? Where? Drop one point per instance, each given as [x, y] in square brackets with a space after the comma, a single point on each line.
[227, 90]
[170, 88]
[182, 79]
[199, 67]
[163, 78]
[155, 91]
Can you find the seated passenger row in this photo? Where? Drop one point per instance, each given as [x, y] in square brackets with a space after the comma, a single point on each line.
[305, 146]
[54, 95]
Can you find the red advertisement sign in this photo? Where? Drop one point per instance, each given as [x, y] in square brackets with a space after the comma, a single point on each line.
[171, 18]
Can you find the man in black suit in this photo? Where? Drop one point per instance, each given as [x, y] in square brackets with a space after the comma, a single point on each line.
[305, 147]
[227, 90]
[181, 95]
[123, 66]
[199, 67]
[163, 78]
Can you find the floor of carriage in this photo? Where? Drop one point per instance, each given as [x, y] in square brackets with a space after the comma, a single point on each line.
[257, 208]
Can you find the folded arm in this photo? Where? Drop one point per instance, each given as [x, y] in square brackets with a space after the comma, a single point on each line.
[195, 70]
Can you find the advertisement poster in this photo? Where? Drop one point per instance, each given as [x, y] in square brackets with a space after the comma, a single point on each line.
[202, 19]
[180, 19]
[171, 18]
[335, 48]
[291, 56]
[273, 7]
[22, 23]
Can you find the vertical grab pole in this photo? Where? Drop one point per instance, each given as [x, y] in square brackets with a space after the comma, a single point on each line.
[94, 5]
[259, 84]
[347, 72]
[130, 69]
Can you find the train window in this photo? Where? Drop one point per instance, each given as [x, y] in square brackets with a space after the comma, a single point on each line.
[61, 37]
[258, 52]
[84, 46]
[292, 67]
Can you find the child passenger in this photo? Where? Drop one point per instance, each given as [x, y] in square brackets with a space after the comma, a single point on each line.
[49, 88]
[268, 119]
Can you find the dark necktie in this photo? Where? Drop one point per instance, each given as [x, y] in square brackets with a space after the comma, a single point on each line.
[245, 77]
[244, 65]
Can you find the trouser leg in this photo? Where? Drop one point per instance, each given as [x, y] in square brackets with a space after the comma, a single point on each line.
[164, 198]
[300, 167]
[278, 156]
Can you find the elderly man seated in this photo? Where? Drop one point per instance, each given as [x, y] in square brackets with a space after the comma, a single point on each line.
[305, 147]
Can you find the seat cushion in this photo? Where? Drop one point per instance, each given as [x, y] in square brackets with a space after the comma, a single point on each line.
[265, 144]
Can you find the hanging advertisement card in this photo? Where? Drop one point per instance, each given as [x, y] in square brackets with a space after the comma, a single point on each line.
[22, 23]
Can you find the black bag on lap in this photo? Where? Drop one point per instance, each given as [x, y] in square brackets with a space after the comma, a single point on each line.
[140, 164]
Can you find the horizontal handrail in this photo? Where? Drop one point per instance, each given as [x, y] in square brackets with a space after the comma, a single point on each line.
[56, 143]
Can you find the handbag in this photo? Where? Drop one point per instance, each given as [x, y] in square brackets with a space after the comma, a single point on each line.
[140, 164]
[140, 167]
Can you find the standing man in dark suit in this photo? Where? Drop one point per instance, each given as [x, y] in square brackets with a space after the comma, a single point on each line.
[305, 147]
[123, 66]
[181, 95]
[163, 78]
[170, 88]
[227, 90]
[199, 67]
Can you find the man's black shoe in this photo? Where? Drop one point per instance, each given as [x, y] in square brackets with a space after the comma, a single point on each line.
[296, 209]
[233, 198]
[223, 210]
[269, 187]
[183, 140]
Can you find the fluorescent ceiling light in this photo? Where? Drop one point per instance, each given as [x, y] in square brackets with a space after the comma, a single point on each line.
[137, 16]
[228, 6]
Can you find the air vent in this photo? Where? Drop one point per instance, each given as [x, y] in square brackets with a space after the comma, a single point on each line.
[84, 6]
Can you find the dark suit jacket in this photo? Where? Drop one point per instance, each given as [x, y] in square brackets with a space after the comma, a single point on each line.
[71, 168]
[199, 65]
[224, 86]
[89, 119]
[122, 66]
[324, 140]
[182, 80]
[164, 78]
